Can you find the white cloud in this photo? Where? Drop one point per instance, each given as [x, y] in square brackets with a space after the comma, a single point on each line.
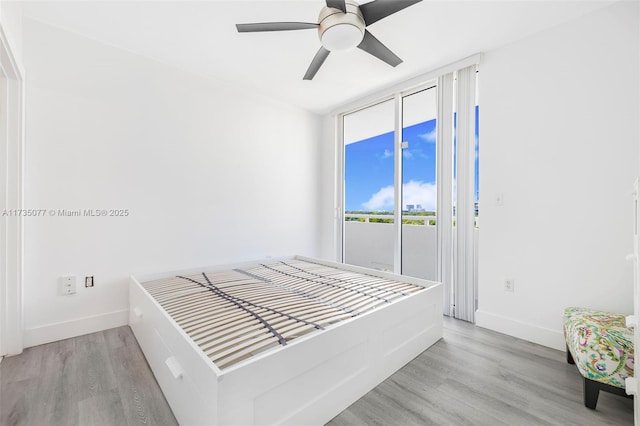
[381, 200]
[429, 137]
[414, 192]
[387, 153]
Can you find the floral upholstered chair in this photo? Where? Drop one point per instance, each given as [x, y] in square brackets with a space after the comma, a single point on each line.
[601, 346]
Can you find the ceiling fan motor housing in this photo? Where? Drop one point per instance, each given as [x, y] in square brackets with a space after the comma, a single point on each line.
[339, 30]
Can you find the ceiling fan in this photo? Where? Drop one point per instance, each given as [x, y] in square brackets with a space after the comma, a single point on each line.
[342, 26]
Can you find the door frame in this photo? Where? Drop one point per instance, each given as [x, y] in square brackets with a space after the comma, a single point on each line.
[12, 133]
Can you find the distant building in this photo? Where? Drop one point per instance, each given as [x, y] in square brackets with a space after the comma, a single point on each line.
[414, 208]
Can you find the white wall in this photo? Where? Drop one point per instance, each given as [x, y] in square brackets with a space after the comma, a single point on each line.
[559, 138]
[209, 175]
[11, 22]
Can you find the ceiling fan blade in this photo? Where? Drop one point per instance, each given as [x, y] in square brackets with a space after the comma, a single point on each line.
[337, 4]
[274, 26]
[373, 46]
[378, 9]
[317, 62]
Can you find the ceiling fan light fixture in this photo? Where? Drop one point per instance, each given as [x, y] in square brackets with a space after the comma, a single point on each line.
[341, 37]
[342, 26]
[341, 31]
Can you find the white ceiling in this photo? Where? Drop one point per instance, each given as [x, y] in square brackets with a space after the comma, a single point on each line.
[200, 36]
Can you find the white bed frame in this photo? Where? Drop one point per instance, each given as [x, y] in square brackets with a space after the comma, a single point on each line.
[307, 382]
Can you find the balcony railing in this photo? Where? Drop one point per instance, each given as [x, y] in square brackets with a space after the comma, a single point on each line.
[369, 242]
[407, 219]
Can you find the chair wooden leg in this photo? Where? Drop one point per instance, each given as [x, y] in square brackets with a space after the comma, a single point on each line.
[569, 356]
[590, 392]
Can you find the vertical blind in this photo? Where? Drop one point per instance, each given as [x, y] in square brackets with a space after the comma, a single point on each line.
[444, 223]
[464, 279]
[456, 240]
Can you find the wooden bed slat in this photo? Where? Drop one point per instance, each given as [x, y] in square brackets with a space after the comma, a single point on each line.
[235, 314]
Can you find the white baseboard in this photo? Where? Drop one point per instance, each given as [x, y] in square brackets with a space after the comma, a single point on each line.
[532, 333]
[67, 329]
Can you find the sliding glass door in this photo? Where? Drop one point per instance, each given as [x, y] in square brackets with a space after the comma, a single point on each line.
[390, 187]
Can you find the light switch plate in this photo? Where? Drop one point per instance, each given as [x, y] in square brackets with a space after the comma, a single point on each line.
[67, 285]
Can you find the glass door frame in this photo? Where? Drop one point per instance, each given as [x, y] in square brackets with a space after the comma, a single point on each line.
[340, 175]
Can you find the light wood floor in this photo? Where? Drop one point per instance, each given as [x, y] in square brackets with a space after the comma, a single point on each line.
[471, 377]
[478, 377]
[97, 379]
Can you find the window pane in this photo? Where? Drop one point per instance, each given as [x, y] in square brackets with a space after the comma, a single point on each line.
[419, 190]
[368, 187]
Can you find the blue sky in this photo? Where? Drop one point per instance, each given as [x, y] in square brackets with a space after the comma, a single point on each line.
[369, 170]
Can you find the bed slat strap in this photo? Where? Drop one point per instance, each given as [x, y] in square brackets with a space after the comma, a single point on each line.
[402, 293]
[298, 292]
[326, 284]
[228, 298]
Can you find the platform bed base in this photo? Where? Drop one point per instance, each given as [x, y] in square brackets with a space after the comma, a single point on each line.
[309, 381]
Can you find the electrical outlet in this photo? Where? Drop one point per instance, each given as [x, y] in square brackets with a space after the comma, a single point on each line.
[509, 284]
[88, 281]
